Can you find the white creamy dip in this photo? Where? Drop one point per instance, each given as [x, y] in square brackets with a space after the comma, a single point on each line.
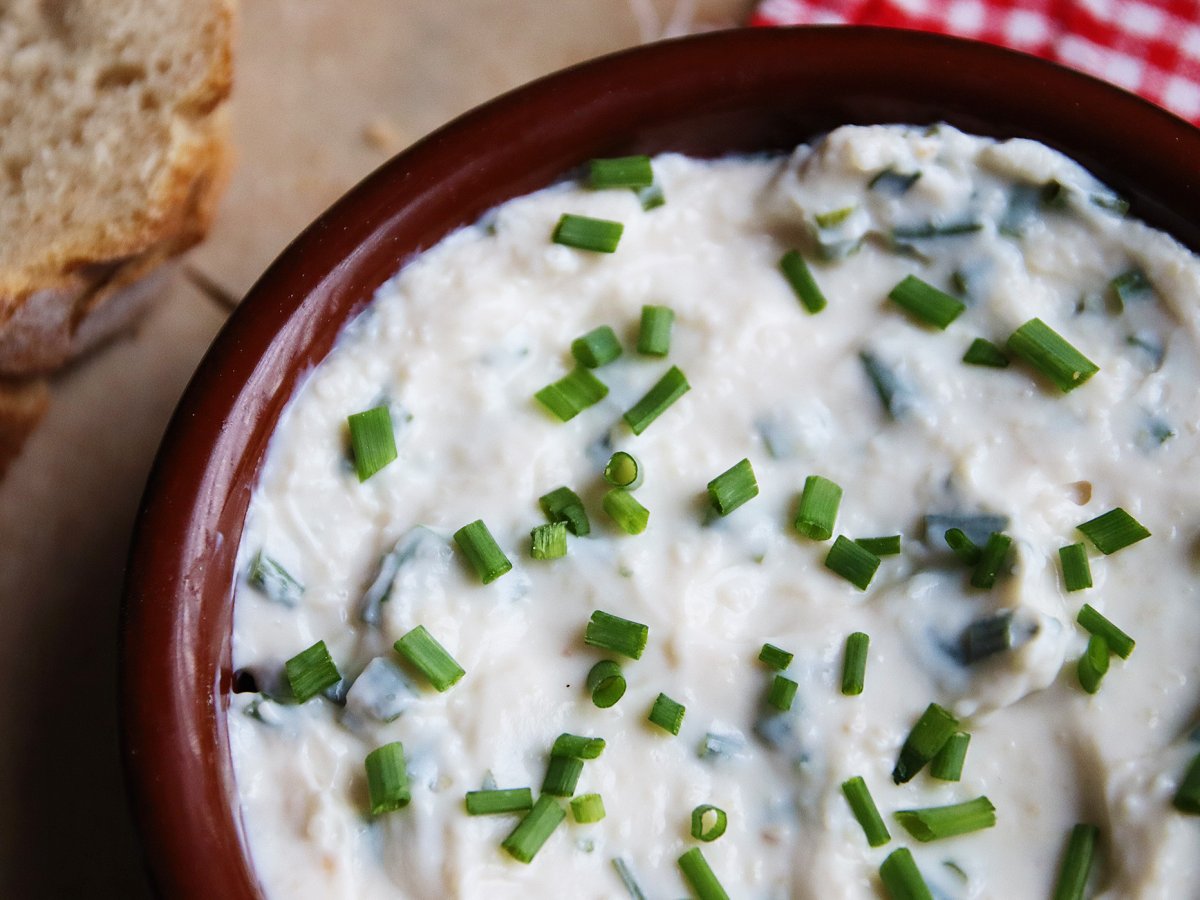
[458, 343]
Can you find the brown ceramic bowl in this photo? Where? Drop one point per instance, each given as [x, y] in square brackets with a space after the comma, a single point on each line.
[717, 94]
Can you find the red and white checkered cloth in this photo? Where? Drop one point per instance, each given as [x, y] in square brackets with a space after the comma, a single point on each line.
[1150, 47]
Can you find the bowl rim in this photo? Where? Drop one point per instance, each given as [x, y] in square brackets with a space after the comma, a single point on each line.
[179, 579]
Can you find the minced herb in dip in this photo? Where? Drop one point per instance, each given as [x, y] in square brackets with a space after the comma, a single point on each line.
[731, 545]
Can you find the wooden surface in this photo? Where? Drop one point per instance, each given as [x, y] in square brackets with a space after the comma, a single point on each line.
[326, 90]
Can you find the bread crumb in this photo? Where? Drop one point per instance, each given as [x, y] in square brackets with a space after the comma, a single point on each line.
[384, 135]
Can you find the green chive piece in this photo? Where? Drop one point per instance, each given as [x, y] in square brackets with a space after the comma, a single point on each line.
[572, 394]
[818, 508]
[895, 395]
[533, 830]
[930, 733]
[984, 353]
[700, 877]
[1050, 353]
[947, 765]
[387, 778]
[1093, 622]
[273, 580]
[430, 658]
[587, 808]
[667, 714]
[708, 822]
[372, 440]
[1055, 194]
[597, 348]
[937, 822]
[626, 875]
[854, 563]
[654, 337]
[606, 683]
[862, 804]
[1114, 204]
[881, 546]
[620, 172]
[1076, 863]
[902, 878]
[733, 487]
[774, 657]
[667, 390]
[782, 693]
[1113, 531]
[1093, 665]
[624, 509]
[609, 632]
[651, 197]
[503, 800]
[986, 637]
[1077, 572]
[889, 181]
[964, 548]
[578, 746]
[563, 505]
[834, 217]
[562, 775]
[991, 560]
[1187, 796]
[1130, 285]
[797, 273]
[926, 302]
[623, 471]
[548, 541]
[482, 551]
[854, 664]
[925, 230]
[311, 671]
[586, 233]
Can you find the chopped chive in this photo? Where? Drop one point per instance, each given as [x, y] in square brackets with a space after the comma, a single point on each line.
[930, 733]
[627, 879]
[947, 765]
[624, 509]
[667, 714]
[1023, 201]
[274, 580]
[964, 548]
[597, 348]
[651, 197]
[623, 471]
[708, 822]
[1130, 285]
[854, 563]
[586, 233]
[563, 505]
[1050, 353]
[854, 664]
[503, 800]
[1077, 572]
[834, 217]
[1113, 531]
[387, 778]
[976, 526]
[562, 775]
[817, 511]
[881, 546]
[926, 302]
[889, 181]
[482, 551]
[1187, 796]
[548, 541]
[654, 336]
[609, 632]
[733, 487]
[805, 287]
[1093, 665]
[667, 390]
[986, 637]
[936, 822]
[865, 811]
[620, 172]
[606, 683]
[430, 658]
[894, 394]
[1055, 194]
[578, 746]
[1111, 202]
[1076, 863]
[984, 353]
[902, 878]
[311, 671]
[991, 560]
[572, 394]
[372, 440]
[533, 830]
[587, 808]
[774, 657]
[700, 877]
[782, 693]
[925, 230]
[1093, 622]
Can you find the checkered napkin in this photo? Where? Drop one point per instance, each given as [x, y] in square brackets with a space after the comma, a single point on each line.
[1151, 47]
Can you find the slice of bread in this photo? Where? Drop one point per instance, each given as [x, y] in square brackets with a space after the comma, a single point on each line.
[113, 151]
